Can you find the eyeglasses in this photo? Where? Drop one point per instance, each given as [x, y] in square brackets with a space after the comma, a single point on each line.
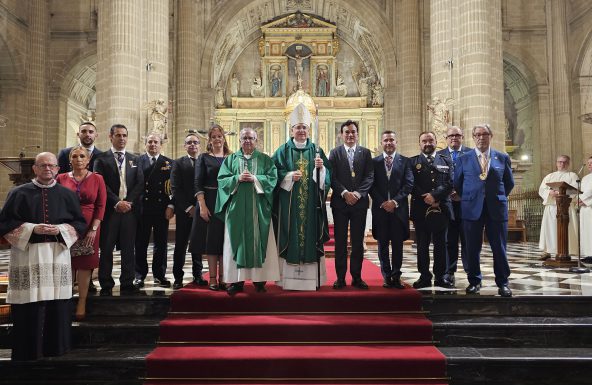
[46, 165]
[455, 136]
[192, 142]
[482, 135]
[245, 138]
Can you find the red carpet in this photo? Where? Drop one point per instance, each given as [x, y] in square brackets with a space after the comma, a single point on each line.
[280, 337]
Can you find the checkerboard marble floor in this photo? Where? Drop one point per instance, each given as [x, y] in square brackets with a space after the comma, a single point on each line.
[529, 276]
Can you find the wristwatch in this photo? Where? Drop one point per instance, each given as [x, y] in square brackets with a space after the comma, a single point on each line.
[95, 228]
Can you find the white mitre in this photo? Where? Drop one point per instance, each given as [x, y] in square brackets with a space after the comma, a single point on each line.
[301, 114]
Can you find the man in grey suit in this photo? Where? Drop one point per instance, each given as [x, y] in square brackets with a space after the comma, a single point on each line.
[124, 181]
[454, 139]
[351, 180]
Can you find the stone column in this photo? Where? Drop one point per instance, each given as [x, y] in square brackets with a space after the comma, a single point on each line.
[156, 54]
[558, 69]
[187, 71]
[37, 69]
[411, 100]
[120, 65]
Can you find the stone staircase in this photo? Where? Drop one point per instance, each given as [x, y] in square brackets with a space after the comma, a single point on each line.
[487, 340]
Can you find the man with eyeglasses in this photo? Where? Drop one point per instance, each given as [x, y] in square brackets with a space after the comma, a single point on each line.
[548, 236]
[41, 220]
[246, 182]
[483, 180]
[454, 139]
[184, 201]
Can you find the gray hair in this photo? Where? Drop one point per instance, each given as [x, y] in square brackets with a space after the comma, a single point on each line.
[483, 125]
[156, 134]
[242, 132]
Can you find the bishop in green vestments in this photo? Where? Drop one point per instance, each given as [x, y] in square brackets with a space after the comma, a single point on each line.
[300, 214]
[246, 182]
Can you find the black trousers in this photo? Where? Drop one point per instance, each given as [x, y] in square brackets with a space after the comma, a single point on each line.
[356, 220]
[394, 231]
[120, 229]
[423, 237]
[158, 225]
[184, 223]
[40, 329]
[454, 234]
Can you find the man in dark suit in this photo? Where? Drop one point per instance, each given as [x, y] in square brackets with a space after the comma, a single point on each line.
[124, 181]
[87, 134]
[483, 180]
[351, 181]
[393, 181]
[156, 212]
[454, 139]
[184, 199]
[431, 210]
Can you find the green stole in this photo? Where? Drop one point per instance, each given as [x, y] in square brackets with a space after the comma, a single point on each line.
[246, 213]
[295, 211]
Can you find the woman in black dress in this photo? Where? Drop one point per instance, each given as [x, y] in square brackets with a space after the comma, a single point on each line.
[209, 230]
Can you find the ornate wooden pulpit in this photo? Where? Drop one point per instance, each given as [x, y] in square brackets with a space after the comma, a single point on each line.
[21, 169]
[562, 258]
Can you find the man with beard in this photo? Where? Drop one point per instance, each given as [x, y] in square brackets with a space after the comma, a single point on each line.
[87, 134]
[431, 210]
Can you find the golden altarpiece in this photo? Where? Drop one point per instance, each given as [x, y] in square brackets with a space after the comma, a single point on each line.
[298, 63]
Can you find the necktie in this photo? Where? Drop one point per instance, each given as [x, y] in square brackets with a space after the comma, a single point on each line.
[192, 161]
[389, 163]
[120, 157]
[454, 155]
[350, 156]
[430, 159]
[152, 160]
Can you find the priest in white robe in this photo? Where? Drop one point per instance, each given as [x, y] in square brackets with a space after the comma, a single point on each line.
[40, 220]
[586, 214]
[548, 237]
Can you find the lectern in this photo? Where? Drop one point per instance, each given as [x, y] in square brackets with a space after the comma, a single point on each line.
[562, 258]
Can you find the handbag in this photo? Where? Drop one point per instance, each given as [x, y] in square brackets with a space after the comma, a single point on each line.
[78, 249]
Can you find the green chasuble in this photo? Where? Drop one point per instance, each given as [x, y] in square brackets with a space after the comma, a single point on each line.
[247, 214]
[295, 211]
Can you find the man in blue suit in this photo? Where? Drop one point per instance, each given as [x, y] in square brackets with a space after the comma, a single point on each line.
[393, 181]
[483, 179]
[455, 148]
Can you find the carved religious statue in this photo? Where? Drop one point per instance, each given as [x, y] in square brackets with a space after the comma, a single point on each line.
[234, 85]
[257, 87]
[159, 115]
[440, 115]
[377, 95]
[322, 81]
[219, 96]
[276, 83]
[340, 87]
[298, 66]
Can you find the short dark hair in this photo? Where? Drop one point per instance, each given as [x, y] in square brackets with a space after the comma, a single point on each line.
[116, 126]
[87, 123]
[349, 122]
[427, 132]
[386, 132]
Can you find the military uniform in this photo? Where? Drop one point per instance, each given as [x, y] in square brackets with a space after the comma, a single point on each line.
[431, 176]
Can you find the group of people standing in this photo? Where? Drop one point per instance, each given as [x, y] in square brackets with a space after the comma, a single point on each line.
[253, 217]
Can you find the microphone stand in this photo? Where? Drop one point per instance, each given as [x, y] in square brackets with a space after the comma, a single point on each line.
[319, 201]
[579, 269]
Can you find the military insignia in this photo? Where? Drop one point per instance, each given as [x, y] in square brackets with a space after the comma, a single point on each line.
[418, 166]
[167, 166]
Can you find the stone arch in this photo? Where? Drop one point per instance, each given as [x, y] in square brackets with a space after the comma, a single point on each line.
[245, 22]
[77, 93]
[522, 113]
[11, 63]
[582, 102]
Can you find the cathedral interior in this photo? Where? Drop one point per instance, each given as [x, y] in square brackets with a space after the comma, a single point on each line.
[171, 66]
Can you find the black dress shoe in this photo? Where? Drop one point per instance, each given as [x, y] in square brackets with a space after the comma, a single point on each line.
[339, 284]
[139, 282]
[450, 278]
[214, 287]
[504, 291]
[360, 284]
[129, 289]
[162, 282]
[473, 289]
[421, 283]
[260, 287]
[444, 283]
[199, 281]
[235, 288]
[91, 287]
[587, 260]
[106, 293]
[177, 285]
[388, 283]
[396, 283]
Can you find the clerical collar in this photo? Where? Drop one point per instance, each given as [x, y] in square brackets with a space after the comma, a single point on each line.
[114, 150]
[300, 145]
[40, 185]
[384, 154]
